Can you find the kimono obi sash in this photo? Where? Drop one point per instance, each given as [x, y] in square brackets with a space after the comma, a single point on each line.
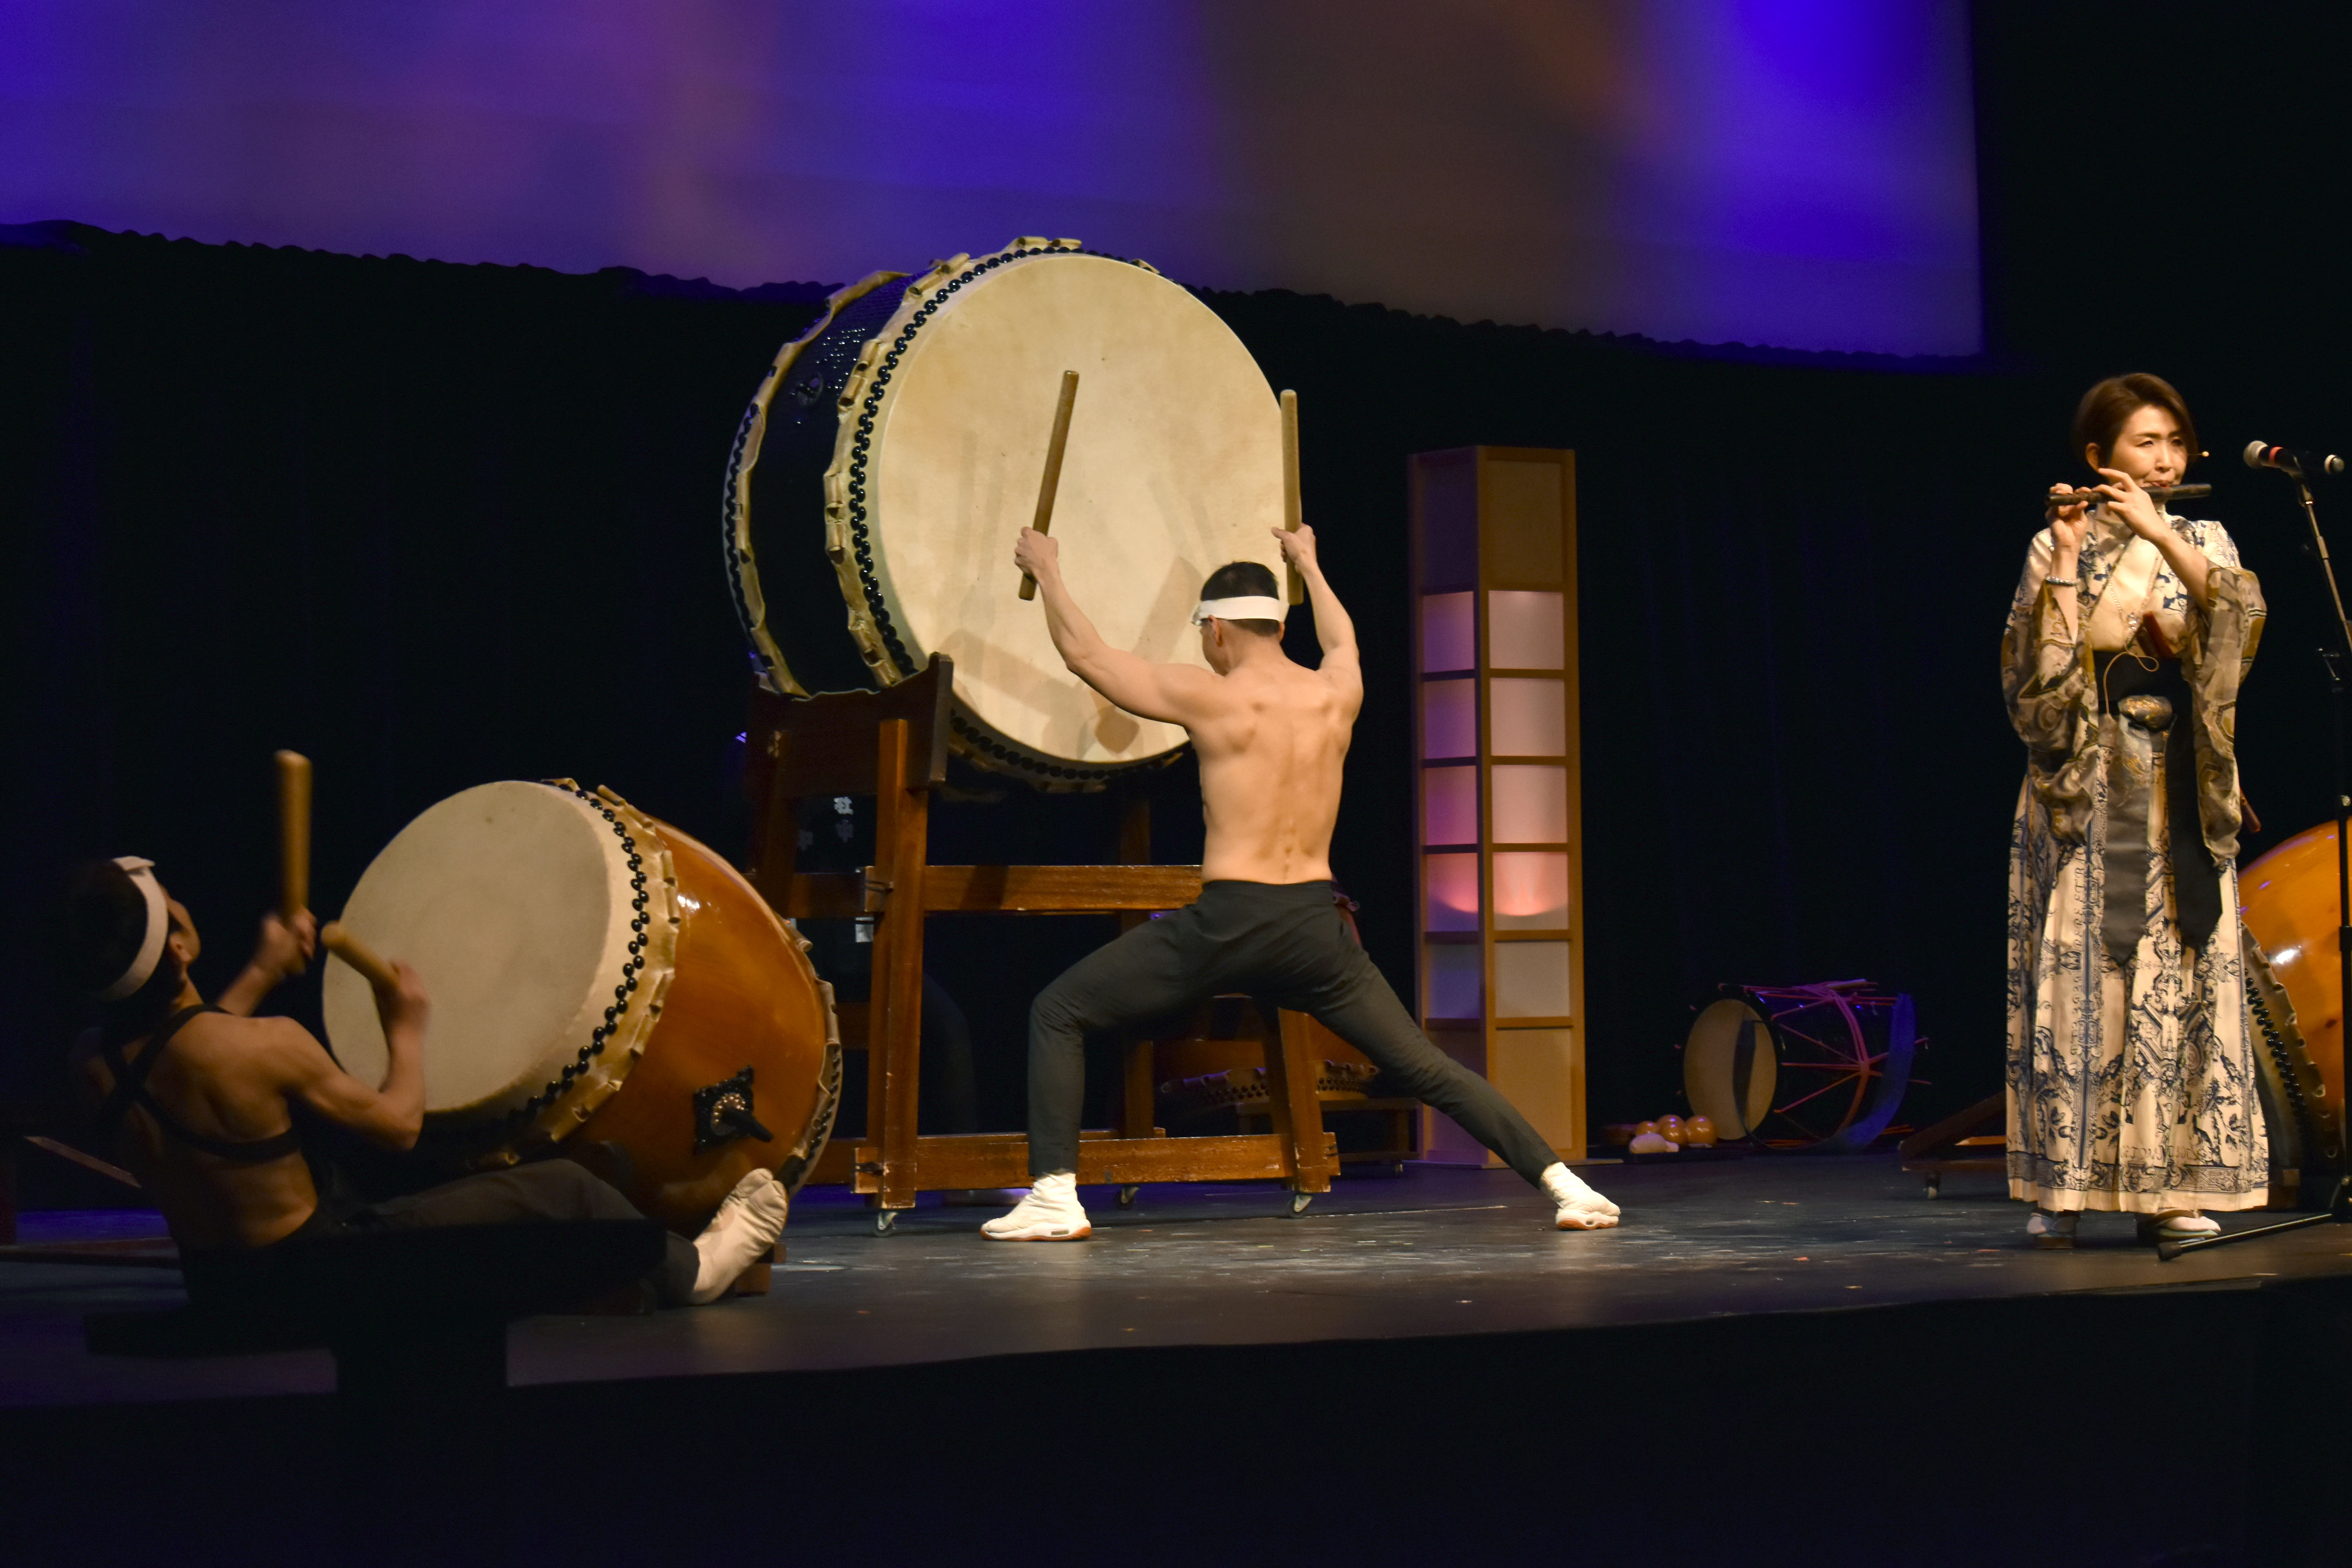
[2162, 731]
[2133, 672]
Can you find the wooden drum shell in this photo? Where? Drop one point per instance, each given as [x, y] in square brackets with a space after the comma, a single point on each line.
[743, 994]
[2287, 900]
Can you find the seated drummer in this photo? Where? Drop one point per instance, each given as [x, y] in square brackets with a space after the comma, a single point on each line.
[1271, 737]
[197, 1099]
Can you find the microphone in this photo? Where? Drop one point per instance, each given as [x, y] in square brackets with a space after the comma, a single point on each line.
[2260, 454]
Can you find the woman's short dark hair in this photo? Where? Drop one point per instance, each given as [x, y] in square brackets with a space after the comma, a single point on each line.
[2099, 418]
[1244, 580]
[102, 924]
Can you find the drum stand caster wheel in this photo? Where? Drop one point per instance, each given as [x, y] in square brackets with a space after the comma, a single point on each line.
[1299, 1202]
[885, 1221]
[1126, 1197]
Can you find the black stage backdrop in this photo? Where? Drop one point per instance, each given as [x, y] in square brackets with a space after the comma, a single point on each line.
[436, 524]
[2161, 187]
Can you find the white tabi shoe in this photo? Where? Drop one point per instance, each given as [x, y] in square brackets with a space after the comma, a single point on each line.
[1580, 1207]
[739, 1234]
[2052, 1231]
[2185, 1225]
[1050, 1212]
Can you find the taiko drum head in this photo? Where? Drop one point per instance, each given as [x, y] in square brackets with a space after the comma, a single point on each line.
[517, 905]
[894, 454]
[1730, 1066]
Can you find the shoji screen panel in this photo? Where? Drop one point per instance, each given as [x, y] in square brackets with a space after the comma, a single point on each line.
[1500, 857]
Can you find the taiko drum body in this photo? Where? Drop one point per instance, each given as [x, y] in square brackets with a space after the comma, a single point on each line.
[2288, 902]
[603, 985]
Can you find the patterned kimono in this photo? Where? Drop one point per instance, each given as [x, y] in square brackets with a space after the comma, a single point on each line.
[2131, 1080]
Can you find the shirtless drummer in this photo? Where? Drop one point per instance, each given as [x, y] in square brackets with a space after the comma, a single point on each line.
[198, 1098]
[1271, 736]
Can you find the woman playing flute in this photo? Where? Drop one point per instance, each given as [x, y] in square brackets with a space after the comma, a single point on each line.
[2130, 1077]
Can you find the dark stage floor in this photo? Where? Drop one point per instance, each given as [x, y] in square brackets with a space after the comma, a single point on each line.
[1775, 1360]
[1437, 1252]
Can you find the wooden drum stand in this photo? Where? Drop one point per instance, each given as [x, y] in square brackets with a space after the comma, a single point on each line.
[892, 745]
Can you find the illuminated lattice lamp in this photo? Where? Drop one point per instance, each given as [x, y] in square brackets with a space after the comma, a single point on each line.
[1502, 916]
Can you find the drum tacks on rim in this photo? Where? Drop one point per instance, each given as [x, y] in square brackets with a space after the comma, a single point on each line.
[891, 457]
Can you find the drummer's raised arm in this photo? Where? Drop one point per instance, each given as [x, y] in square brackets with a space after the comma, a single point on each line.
[1172, 693]
[391, 1115]
[1334, 628]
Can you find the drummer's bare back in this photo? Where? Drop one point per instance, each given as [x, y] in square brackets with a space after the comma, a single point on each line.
[1271, 735]
[228, 1076]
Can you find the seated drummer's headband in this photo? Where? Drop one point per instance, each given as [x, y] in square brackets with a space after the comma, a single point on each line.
[1255, 607]
[159, 925]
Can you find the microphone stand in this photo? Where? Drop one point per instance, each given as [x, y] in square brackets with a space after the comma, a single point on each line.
[2339, 1203]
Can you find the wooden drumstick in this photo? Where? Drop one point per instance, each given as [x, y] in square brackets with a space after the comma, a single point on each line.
[359, 955]
[1043, 522]
[1290, 508]
[293, 834]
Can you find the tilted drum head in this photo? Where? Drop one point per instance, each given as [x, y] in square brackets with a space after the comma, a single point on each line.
[1730, 1066]
[1173, 467]
[515, 903]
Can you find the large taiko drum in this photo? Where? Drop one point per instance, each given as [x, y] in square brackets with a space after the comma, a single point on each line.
[2294, 993]
[893, 454]
[602, 985]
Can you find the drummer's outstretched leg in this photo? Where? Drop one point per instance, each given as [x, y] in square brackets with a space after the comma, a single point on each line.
[1139, 977]
[691, 1272]
[1356, 1004]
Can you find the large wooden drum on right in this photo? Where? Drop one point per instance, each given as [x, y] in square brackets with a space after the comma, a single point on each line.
[2287, 900]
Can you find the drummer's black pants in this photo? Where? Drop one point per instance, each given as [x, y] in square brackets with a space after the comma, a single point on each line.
[544, 1189]
[1284, 943]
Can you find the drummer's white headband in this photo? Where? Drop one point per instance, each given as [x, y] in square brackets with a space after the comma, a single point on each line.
[1252, 608]
[159, 925]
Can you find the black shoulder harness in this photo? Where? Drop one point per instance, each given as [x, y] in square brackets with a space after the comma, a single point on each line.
[131, 1088]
